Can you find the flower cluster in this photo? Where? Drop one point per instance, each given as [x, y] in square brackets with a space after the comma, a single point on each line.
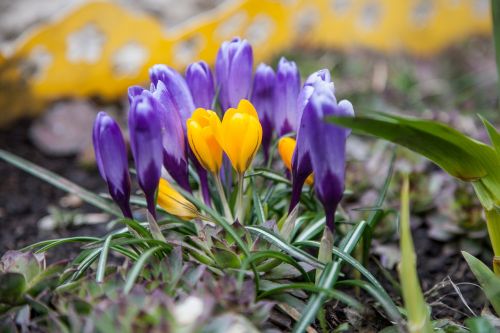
[176, 123]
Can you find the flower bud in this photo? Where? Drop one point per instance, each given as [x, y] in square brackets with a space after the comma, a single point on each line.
[286, 148]
[177, 95]
[146, 143]
[201, 84]
[286, 93]
[263, 92]
[201, 131]
[240, 135]
[111, 158]
[233, 70]
[174, 203]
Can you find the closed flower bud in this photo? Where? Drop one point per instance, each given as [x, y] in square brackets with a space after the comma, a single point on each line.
[177, 95]
[286, 148]
[263, 92]
[233, 71]
[201, 132]
[146, 143]
[240, 135]
[201, 84]
[326, 144]
[174, 203]
[111, 158]
[286, 93]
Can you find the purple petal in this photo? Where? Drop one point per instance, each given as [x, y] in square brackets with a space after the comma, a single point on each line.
[286, 94]
[200, 81]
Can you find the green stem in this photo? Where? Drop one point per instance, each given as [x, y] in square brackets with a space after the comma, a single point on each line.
[239, 200]
[222, 194]
[493, 223]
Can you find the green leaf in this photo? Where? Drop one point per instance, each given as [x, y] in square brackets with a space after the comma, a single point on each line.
[258, 209]
[416, 308]
[60, 182]
[329, 277]
[479, 325]
[283, 245]
[103, 259]
[458, 154]
[12, 287]
[487, 279]
[137, 268]
[492, 133]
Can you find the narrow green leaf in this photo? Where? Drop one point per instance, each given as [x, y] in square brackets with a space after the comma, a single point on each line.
[137, 268]
[416, 308]
[60, 182]
[12, 287]
[258, 209]
[280, 243]
[487, 279]
[492, 133]
[335, 294]
[103, 259]
[269, 174]
[329, 277]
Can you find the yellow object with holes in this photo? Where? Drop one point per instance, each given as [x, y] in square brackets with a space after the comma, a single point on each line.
[101, 48]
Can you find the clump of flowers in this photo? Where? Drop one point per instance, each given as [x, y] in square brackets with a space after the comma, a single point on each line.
[217, 126]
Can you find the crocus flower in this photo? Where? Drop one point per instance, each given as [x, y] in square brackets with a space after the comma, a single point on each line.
[240, 135]
[233, 71]
[286, 92]
[174, 203]
[173, 139]
[301, 161]
[177, 95]
[146, 143]
[201, 131]
[326, 143]
[201, 84]
[286, 147]
[111, 157]
[263, 100]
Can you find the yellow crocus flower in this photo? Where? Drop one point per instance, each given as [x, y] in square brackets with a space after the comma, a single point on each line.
[201, 130]
[240, 135]
[286, 147]
[174, 203]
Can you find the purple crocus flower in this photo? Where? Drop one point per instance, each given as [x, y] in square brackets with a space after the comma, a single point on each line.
[146, 142]
[111, 158]
[173, 138]
[233, 71]
[286, 93]
[177, 95]
[263, 100]
[326, 144]
[200, 81]
[301, 161]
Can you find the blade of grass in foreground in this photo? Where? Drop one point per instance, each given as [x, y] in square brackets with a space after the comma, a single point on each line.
[60, 182]
[416, 308]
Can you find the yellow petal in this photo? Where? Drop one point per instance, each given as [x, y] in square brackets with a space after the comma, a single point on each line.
[202, 128]
[174, 203]
[286, 147]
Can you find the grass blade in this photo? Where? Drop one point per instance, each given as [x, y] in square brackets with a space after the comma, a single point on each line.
[60, 182]
[416, 308]
[136, 270]
[328, 278]
[280, 243]
[103, 259]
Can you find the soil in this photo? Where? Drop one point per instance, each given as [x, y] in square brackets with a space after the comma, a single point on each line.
[24, 200]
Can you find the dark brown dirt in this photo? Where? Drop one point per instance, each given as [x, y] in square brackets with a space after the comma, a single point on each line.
[24, 199]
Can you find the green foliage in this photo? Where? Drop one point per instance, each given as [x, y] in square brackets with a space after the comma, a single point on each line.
[459, 155]
[487, 279]
[416, 308]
